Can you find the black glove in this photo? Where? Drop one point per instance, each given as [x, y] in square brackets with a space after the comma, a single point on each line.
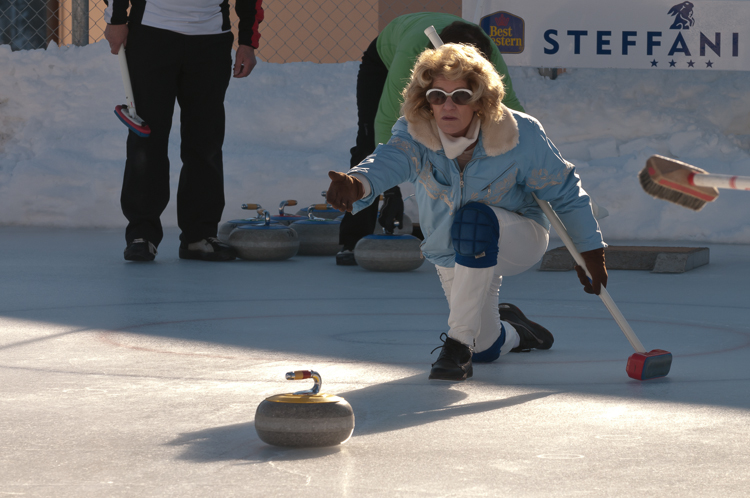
[594, 260]
[392, 210]
[344, 191]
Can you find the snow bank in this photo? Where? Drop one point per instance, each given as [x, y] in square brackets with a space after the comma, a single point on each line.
[62, 150]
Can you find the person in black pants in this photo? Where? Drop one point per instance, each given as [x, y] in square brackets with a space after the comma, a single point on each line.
[370, 82]
[172, 59]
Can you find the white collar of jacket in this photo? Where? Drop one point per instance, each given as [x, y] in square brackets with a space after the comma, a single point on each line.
[455, 146]
[497, 138]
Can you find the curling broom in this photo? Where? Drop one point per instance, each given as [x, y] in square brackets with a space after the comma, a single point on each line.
[642, 365]
[126, 112]
[686, 185]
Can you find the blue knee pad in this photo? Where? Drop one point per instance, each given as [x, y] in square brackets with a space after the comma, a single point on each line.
[475, 234]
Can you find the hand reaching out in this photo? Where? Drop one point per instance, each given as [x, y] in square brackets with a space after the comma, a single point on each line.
[344, 191]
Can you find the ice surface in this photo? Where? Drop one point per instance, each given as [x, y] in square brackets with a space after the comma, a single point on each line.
[142, 379]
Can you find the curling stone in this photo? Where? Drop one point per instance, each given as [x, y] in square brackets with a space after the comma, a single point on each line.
[226, 228]
[304, 419]
[317, 236]
[407, 228]
[325, 211]
[267, 242]
[389, 253]
[285, 218]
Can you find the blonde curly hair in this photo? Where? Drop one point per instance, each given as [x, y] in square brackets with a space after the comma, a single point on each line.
[454, 62]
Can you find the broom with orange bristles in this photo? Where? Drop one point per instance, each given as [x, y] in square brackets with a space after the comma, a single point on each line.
[686, 185]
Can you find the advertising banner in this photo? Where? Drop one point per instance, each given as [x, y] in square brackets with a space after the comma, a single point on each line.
[637, 34]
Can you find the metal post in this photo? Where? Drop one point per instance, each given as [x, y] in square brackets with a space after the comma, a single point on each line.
[80, 22]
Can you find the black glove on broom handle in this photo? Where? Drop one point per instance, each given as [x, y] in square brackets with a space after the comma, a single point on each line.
[608, 302]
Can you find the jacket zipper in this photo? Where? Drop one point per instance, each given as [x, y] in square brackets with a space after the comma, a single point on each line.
[461, 178]
[501, 175]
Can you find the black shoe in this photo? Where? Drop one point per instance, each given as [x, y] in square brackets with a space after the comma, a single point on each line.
[533, 335]
[208, 249]
[454, 362]
[345, 257]
[140, 250]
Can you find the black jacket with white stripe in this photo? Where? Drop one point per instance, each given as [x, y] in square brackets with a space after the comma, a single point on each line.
[189, 17]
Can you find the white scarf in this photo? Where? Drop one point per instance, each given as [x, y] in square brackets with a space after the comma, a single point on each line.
[454, 146]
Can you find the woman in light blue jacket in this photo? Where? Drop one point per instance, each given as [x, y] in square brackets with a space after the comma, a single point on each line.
[475, 164]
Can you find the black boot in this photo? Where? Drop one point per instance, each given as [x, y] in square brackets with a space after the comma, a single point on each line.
[345, 257]
[140, 250]
[533, 335]
[208, 249]
[454, 362]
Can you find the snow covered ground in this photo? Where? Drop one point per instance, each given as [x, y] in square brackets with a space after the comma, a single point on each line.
[62, 150]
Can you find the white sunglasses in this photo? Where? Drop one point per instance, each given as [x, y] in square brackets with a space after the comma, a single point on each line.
[460, 96]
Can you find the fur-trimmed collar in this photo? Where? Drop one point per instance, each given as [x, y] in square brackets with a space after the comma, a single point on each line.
[497, 138]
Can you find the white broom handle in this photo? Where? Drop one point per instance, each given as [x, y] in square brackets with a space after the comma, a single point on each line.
[126, 81]
[720, 181]
[604, 295]
[433, 36]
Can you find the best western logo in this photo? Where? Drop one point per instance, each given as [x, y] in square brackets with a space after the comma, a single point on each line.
[506, 30]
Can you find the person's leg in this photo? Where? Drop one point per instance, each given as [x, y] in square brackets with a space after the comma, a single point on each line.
[475, 232]
[370, 82]
[522, 243]
[472, 286]
[153, 71]
[206, 71]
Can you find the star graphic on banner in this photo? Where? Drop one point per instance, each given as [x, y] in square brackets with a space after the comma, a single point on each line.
[691, 63]
[654, 63]
[672, 63]
[709, 64]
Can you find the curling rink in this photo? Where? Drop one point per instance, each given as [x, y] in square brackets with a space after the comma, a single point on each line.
[142, 379]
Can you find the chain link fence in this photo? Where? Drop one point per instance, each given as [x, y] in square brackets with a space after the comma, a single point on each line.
[323, 31]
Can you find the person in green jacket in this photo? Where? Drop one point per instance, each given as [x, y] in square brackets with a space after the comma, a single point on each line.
[383, 74]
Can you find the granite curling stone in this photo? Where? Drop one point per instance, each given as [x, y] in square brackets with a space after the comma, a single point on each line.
[389, 253]
[317, 236]
[286, 218]
[226, 228]
[304, 419]
[325, 211]
[267, 242]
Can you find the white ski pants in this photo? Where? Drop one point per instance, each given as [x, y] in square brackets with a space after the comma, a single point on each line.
[472, 293]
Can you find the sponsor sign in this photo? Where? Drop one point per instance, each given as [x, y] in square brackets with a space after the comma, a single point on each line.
[637, 34]
[506, 30]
